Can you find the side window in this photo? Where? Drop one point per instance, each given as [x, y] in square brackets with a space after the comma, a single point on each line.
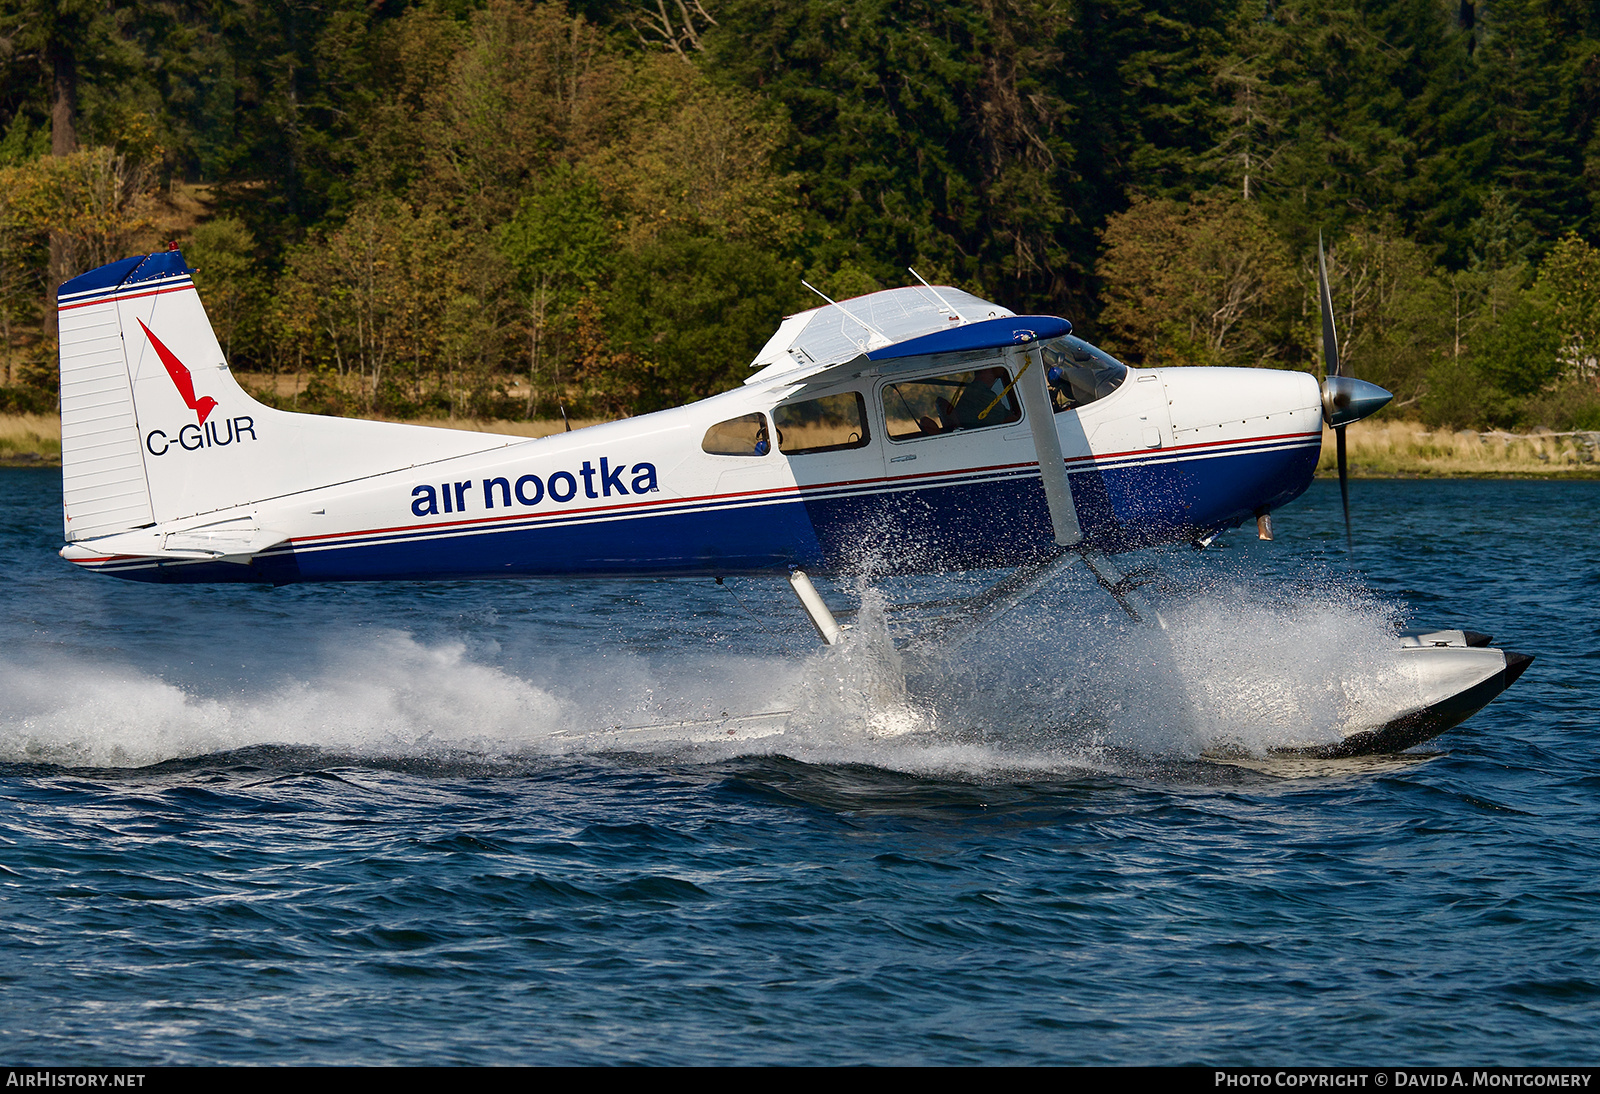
[829, 424]
[947, 404]
[746, 436]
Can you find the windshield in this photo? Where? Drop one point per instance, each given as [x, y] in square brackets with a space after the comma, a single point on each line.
[1080, 373]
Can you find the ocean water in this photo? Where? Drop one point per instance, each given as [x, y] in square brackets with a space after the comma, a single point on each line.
[509, 824]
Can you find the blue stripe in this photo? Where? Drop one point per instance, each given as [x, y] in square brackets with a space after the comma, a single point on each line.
[108, 276]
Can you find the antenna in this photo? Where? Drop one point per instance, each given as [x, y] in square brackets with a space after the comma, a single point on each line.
[820, 293]
[887, 341]
[945, 304]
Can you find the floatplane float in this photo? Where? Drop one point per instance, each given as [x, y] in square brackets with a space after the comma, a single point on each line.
[922, 416]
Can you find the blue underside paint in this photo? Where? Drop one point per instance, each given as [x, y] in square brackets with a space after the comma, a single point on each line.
[960, 526]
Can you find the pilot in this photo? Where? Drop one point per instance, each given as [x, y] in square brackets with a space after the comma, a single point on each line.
[986, 387]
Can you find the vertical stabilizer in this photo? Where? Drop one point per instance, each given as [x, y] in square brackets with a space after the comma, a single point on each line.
[154, 428]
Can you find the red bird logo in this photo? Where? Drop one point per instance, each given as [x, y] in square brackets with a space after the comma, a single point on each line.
[180, 377]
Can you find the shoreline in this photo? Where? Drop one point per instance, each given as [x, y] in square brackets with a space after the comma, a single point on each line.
[34, 440]
[1409, 450]
[1382, 450]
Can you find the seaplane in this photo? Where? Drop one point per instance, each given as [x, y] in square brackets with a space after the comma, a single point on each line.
[946, 427]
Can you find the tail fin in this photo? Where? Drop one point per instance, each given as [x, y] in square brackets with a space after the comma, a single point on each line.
[155, 428]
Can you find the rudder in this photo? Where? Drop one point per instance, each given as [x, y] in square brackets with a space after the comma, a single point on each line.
[104, 485]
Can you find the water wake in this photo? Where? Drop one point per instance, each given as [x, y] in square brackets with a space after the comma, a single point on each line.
[1064, 682]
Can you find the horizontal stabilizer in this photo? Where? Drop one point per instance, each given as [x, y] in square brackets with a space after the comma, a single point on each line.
[234, 540]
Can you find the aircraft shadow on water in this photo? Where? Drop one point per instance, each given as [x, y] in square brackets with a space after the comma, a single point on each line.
[943, 429]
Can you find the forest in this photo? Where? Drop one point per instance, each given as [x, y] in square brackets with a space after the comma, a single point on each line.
[505, 208]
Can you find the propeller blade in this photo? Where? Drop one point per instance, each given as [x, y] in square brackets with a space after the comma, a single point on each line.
[1344, 398]
[1330, 339]
[1344, 490]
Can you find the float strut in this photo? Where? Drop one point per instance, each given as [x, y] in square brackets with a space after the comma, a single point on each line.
[811, 600]
[988, 606]
[1124, 587]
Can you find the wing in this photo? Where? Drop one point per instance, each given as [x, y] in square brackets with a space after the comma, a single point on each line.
[815, 340]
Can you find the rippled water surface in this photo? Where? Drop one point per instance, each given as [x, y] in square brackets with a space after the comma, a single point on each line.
[422, 824]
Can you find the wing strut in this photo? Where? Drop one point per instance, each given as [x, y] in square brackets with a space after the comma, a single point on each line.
[828, 628]
[1028, 368]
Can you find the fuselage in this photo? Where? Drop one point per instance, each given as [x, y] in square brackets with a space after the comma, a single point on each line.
[1170, 455]
[903, 430]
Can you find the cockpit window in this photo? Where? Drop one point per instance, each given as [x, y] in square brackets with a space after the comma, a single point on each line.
[744, 436]
[1080, 373]
[947, 404]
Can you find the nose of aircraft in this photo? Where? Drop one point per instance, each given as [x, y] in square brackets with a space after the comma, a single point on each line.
[1346, 399]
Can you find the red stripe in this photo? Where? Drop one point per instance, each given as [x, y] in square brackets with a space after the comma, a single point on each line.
[770, 491]
[1201, 444]
[698, 499]
[115, 298]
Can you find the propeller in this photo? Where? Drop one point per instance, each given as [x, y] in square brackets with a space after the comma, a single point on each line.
[1344, 398]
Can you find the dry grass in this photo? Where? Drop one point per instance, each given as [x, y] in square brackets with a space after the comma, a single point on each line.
[286, 385]
[29, 439]
[1377, 450]
[282, 385]
[177, 209]
[538, 428]
[1388, 449]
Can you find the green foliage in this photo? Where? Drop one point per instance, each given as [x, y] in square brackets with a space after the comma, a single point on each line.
[1532, 361]
[693, 311]
[686, 155]
[848, 280]
[529, 86]
[923, 134]
[223, 255]
[1501, 236]
[62, 215]
[1516, 358]
[1570, 279]
[1393, 310]
[560, 249]
[548, 170]
[1204, 283]
[27, 399]
[24, 141]
[371, 301]
[1567, 405]
[506, 205]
